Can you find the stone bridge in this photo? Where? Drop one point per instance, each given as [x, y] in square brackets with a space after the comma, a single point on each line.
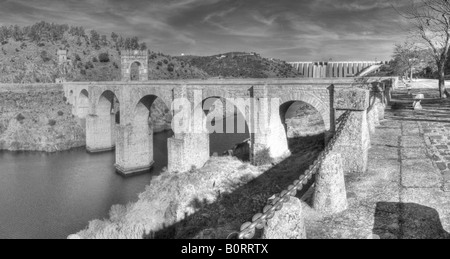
[132, 135]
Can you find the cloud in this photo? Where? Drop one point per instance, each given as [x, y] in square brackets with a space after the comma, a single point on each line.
[287, 29]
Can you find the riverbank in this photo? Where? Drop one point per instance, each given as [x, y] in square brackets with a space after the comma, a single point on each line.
[210, 202]
[37, 118]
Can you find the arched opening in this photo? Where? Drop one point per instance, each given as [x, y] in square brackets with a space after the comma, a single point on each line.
[135, 71]
[108, 108]
[227, 127]
[151, 130]
[304, 126]
[83, 104]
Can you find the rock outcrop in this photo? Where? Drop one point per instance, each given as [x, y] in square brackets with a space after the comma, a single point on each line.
[38, 119]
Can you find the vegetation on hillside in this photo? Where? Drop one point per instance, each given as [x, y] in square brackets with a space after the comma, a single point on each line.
[29, 55]
[242, 65]
[38, 120]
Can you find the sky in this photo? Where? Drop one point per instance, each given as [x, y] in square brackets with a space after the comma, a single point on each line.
[291, 30]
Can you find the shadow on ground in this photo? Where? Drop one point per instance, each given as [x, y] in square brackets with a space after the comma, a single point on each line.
[231, 210]
[407, 221]
[434, 108]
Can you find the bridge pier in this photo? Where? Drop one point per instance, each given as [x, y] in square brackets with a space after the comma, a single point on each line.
[270, 138]
[100, 132]
[188, 150]
[134, 149]
[354, 142]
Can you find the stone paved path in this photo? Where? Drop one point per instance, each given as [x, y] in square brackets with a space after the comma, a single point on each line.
[406, 191]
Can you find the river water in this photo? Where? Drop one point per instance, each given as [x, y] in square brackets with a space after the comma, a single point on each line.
[46, 195]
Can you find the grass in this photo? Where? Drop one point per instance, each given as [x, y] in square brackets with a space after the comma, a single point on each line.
[210, 202]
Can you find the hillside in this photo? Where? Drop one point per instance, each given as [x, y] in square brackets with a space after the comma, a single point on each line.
[36, 117]
[26, 56]
[242, 65]
[29, 55]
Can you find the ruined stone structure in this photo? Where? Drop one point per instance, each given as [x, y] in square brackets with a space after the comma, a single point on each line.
[132, 138]
[130, 57]
[62, 57]
[332, 69]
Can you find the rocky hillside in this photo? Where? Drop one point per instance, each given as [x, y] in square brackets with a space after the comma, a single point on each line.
[33, 119]
[28, 58]
[242, 65]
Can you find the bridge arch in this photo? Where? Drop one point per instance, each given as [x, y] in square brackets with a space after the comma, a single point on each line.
[135, 70]
[315, 102]
[226, 125]
[135, 150]
[107, 103]
[82, 104]
[103, 124]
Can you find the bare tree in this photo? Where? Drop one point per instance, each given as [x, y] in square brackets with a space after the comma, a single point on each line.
[407, 57]
[430, 21]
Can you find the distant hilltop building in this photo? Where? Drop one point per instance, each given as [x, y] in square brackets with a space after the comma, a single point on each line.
[62, 57]
[332, 69]
[63, 64]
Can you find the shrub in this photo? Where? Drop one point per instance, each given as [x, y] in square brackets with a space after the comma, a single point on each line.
[65, 99]
[45, 57]
[166, 61]
[170, 67]
[103, 57]
[20, 117]
[263, 157]
[94, 59]
[89, 65]
[52, 122]
[60, 113]
[77, 57]
[159, 63]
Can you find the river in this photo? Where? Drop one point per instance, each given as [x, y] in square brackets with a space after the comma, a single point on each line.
[53, 195]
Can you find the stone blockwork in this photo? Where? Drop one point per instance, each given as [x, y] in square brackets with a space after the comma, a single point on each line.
[330, 195]
[130, 57]
[346, 153]
[289, 223]
[262, 100]
[354, 143]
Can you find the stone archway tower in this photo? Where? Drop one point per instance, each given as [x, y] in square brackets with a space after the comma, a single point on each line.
[130, 57]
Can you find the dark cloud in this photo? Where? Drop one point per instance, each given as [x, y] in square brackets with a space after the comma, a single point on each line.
[287, 29]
